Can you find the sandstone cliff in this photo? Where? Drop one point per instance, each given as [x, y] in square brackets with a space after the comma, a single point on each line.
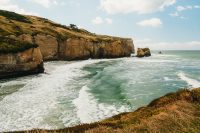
[59, 42]
[22, 63]
[19, 58]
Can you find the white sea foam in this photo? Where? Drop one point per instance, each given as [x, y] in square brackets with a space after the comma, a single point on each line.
[27, 108]
[163, 55]
[191, 82]
[152, 60]
[167, 79]
[89, 110]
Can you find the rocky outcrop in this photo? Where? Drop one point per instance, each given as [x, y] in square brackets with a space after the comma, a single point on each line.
[22, 63]
[74, 49]
[143, 52]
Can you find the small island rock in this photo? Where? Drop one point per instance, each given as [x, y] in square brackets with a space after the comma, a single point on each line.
[143, 52]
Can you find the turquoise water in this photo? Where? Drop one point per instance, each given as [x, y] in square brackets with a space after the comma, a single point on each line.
[70, 93]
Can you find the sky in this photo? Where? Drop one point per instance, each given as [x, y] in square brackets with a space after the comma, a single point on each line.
[158, 24]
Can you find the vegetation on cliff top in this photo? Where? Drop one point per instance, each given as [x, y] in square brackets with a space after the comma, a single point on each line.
[14, 16]
[15, 24]
[9, 45]
[174, 112]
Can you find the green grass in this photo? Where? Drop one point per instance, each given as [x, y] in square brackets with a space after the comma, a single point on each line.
[8, 45]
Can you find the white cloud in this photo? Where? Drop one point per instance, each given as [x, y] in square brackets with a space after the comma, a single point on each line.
[183, 8]
[180, 9]
[175, 14]
[108, 21]
[190, 45]
[74, 3]
[138, 6]
[99, 20]
[45, 3]
[189, 7]
[153, 22]
[182, 17]
[197, 6]
[7, 5]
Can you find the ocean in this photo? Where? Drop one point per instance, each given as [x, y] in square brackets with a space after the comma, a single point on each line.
[71, 93]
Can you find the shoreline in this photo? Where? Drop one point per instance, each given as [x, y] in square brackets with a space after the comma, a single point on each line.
[154, 61]
[120, 122]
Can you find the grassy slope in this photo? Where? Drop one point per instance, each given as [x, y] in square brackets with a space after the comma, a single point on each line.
[175, 112]
[16, 24]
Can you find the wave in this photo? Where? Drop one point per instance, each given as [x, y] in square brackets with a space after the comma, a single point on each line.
[89, 110]
[38, 98]
[151, 60]
[191, 82]
[164, 55]
[167, 79]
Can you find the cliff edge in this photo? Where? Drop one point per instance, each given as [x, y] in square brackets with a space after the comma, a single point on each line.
[18, 58]
[27, 41]
[60, 42]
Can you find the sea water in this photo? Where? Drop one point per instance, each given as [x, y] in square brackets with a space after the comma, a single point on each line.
[71, 93]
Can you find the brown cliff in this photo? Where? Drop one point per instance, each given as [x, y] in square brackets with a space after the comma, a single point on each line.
[59, 42]
[25, 41]
[21, 63]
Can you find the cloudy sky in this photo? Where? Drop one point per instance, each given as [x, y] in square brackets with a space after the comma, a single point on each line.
[158, 24]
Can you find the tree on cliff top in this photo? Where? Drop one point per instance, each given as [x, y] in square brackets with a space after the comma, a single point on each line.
[73, 26]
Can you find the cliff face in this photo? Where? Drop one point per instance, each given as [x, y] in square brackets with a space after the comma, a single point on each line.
[79, 48]
[59, 42]
[21, 63]
[84, 49]
[25, 41]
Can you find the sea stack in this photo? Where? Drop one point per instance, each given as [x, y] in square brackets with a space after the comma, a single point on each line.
[143, 52]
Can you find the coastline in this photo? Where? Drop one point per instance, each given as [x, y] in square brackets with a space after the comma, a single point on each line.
[178, 110]
[46, 87]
